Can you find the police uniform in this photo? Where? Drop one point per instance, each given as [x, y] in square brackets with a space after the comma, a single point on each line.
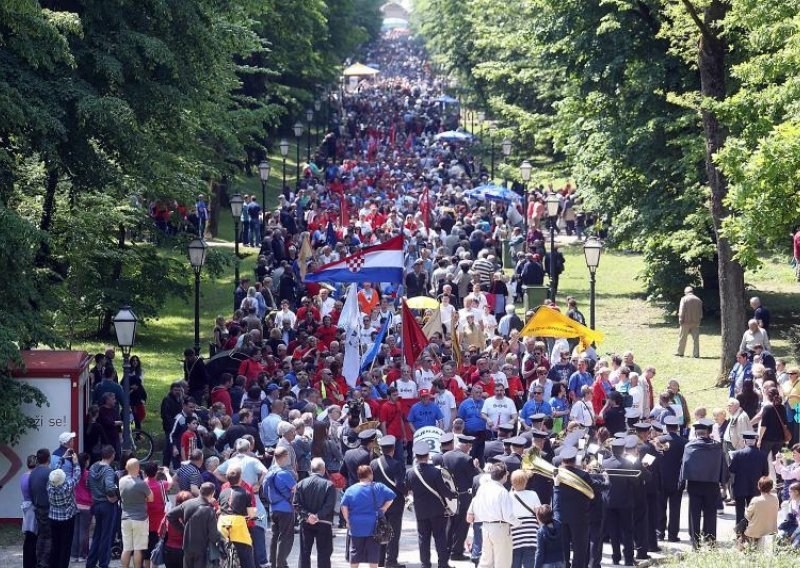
[542, 485]
[463, 471]
[652, 487]
[495, 448]
[747, 465]
[445, 445]
[601, 485]
[703, 469]
[392, 473]
[571, 507]
[671, 493]
[618, 511]
[358, 456]
[513, 460]
[640, 498]
[429, 507]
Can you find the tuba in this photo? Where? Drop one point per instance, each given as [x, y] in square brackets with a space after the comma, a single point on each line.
[533, 462]
[372, 425]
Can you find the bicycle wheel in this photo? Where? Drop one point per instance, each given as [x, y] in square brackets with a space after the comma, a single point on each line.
[142, 444]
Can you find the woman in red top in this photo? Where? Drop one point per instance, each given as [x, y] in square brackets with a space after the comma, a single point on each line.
[326, 332]
[173, 543]
[156, 509]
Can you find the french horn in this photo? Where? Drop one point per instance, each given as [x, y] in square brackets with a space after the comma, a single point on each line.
[532, 461]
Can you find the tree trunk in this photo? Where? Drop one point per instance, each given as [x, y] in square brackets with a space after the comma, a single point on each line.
[116, 273]
[214, 205]
[713, 51]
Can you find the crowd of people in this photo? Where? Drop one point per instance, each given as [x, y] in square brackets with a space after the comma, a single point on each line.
[542, 449]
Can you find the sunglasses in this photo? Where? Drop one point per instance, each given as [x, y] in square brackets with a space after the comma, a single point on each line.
[538, 392]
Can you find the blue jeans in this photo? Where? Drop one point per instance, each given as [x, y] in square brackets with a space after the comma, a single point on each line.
[255, 233]
[245, 236]
[477, 541]
[523, 557]
[259, 536]
[105, 515]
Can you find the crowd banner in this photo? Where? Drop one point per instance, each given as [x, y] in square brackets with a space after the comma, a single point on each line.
[547, 322]
[350, 320]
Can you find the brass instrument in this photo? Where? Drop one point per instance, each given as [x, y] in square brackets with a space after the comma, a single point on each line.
[372, 425]
[531, 461]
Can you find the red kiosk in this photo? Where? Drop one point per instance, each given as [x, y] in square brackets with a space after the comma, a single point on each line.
[63, 377]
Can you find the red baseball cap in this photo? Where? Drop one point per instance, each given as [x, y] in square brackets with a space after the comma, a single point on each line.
[424, 392]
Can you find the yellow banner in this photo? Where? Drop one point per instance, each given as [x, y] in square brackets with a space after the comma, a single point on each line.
[547, 322]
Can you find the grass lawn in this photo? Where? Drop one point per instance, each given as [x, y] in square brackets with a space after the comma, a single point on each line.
[631, 323]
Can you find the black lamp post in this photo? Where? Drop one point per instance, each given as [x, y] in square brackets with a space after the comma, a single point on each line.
[505, 146]
[263, 172]
[491, 142]
[317, 107]
[552, 213]
[298, 133]
[481, 118]
[236, 212]
[284, 146]
[125, 327]
[591, 251]
[525, 173]
[309, 119]
[197, 258]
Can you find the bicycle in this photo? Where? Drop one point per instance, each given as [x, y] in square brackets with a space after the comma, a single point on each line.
[230, 558]
[142, 444]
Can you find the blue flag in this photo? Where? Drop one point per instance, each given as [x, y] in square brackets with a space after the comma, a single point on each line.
[330, 235]
[370, 355]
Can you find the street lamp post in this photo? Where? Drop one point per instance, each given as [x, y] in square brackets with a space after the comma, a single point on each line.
[284, 146]
[309, 119]
[481, 118]
[197, 258]
[298, 133]
[263, 172]
[317, 107]
[125, 327]
[552, 213]
[525, 173]
[491, 143]
[505, 146]
[591, 252]
[236, 212]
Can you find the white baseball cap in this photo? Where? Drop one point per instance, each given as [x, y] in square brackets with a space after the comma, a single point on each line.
[65, 437]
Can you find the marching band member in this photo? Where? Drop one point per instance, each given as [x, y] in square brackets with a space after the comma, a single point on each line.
[463, 468]
[571, 508]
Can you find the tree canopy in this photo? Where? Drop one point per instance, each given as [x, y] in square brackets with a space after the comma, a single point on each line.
[108, 106]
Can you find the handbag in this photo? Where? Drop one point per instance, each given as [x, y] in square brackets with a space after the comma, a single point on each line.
[383, 532]
[157, 554]
[787, 434]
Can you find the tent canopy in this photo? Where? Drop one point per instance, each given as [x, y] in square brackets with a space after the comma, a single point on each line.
[360, 70]
[547, 322]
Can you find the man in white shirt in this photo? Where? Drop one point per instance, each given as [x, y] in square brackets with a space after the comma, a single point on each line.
[469, 309]
[493, 508]
[446, 402]
[285, 314]
[637, 394]
[326, 303]
[498, 409]
[425, 375]
[754, 335]
[406, 387]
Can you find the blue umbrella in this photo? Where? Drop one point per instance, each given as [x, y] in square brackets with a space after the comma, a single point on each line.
[446, 99]
[454, 136]
[495, 193]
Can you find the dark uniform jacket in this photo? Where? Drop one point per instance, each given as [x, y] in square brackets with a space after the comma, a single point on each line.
[461, 468]
[704, 461]
[352, 459]
[426, 504]
[747, 465]
[570, 505]
[492, 449]
[395, 478]
[620, 494]
[671, 460]
[513, 463]
[316, 495]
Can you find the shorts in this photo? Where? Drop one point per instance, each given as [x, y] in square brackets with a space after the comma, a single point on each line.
[364, 549]
[135, 534]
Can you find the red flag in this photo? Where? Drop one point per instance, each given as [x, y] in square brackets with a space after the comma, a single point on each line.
[414, 340]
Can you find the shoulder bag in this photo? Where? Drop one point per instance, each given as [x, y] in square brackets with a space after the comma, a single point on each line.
[383, 532]
[787, 434]
[448, 512]
[157, 554]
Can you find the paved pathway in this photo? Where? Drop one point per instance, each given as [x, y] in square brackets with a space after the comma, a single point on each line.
[11, 557]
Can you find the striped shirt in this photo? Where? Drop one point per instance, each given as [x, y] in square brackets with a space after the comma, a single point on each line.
[524, 535]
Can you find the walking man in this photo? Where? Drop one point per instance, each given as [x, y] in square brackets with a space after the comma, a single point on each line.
[493, 508]
[690, 313]
[316, 499]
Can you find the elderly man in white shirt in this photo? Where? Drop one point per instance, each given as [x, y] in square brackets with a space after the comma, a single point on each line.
[493, 508]
[754, 335]
[738, 424]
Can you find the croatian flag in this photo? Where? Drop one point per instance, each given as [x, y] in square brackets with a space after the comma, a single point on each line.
[379, 263]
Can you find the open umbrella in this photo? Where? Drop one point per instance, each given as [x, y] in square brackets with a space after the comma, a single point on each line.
[493, 192]
[422, 303]
[454, 136]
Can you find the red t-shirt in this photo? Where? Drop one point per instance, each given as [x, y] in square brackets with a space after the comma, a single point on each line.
[392, 414]
[186, 442]
[221, 394]
[156, 508]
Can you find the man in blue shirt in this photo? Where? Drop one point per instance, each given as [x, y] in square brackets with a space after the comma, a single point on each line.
[474, 424]
[742, 371]
[536, 405]
[280, 485]
[254, 213]
[578, 379]
[425, 413]
[202, 214]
